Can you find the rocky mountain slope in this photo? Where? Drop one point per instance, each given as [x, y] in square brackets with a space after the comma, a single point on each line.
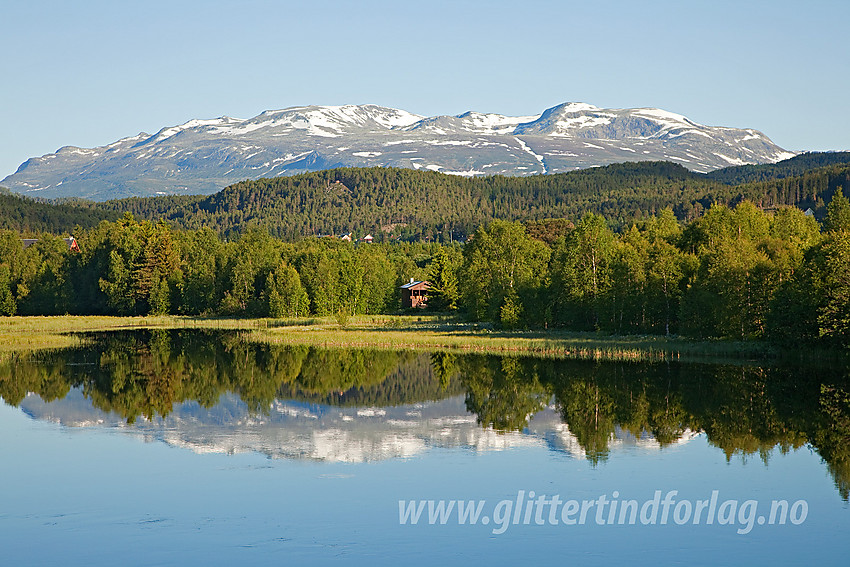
[204, 156]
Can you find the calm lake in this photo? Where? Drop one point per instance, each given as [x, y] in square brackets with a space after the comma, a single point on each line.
[195, 448]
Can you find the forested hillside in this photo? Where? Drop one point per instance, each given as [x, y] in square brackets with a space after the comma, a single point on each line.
[797, 165]
[813, 189]
[409, 204]
[414, 205]
[27, 215]
[366, 200]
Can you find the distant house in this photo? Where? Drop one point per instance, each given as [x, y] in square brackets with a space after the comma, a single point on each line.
[71, 242]
[810, 212]
[368, 239]
[346, 237]
[414, 294]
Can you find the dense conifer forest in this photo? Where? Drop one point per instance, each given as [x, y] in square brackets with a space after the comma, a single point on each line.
[415, 205]
[26, 215]
[797, 165]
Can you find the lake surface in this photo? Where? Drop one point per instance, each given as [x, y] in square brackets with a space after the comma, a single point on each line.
[185, 448]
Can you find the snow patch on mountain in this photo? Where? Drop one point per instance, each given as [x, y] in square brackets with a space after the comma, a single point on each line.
[467, 173]
[493, 123]
[536, 156]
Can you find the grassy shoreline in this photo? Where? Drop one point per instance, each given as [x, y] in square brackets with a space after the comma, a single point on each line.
[19, 334]
[434, 334]
[424, 332]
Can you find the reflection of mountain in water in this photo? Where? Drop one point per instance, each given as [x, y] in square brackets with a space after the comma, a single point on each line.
[212, 392]
[298, 430]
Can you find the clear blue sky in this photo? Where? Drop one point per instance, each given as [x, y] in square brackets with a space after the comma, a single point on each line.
[90, 72]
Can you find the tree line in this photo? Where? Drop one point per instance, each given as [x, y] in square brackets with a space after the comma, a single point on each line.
[131, 267]
[738, 273]
[734, 272]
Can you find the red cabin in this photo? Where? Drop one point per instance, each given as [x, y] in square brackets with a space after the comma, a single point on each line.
[414, 294]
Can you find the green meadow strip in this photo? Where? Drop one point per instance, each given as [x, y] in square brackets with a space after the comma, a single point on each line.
[426, 332]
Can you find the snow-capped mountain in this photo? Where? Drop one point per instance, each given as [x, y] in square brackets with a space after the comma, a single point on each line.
[204, 156]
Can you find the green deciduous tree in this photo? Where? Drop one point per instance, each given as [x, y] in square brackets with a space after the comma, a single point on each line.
[834, 289]
[501, 261]
[7, 300]
[47, 278]
[837, 213]
[201, 267]
[249, 262]
[581, 272]
[286, 296]
[379, 277]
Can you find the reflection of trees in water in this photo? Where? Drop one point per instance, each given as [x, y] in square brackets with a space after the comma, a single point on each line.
[20, 376]
[743, 410]
[593, 399]
[340, 370]
[445, 367]
[502, 392]
[832, 438]
[412, 379]
[589, 411]
[143, 374]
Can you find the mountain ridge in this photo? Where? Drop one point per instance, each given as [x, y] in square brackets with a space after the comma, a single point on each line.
[202, 156]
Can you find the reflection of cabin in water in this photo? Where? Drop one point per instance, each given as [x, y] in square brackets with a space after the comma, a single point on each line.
[414, 294]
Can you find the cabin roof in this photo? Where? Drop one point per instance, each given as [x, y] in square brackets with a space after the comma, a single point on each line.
[71, 242]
